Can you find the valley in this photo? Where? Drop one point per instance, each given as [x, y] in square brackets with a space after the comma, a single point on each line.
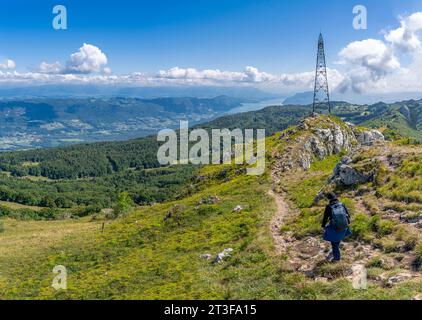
[49, 122]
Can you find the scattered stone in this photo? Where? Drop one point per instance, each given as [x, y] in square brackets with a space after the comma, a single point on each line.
[175, 212]
[321, 280]
[226, 253]
[346, 160]
[307, 269]
[209, 200]
[238, 208]
[290, 239]
[410, 217]
[401, 277]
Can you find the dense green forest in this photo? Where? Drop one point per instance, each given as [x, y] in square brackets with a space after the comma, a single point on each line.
[144, 186]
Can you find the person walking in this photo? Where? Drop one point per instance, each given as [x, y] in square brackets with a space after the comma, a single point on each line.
[338, 229]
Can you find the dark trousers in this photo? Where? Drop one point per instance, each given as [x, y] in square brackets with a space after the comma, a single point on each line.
[336, 250]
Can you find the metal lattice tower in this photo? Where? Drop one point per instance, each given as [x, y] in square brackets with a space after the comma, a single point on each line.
[321, 93]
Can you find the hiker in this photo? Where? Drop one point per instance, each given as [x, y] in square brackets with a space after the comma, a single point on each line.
[337, 214]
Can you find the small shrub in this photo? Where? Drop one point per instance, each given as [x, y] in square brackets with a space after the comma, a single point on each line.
[389, 244]
[123, 206]
[206, 210]
[384, 227]
[334, 271]
[362, 227]
[374, 263]
[408, 235]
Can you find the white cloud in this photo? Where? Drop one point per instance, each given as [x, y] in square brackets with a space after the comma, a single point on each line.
[371, 65]
[107, 70]
[87, 60]
[372, 55]
[405, 37]
[192, 74]
[8, 64]
[52, 68]
[249, 76]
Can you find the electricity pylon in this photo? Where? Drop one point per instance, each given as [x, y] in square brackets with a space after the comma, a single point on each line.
[321, 93]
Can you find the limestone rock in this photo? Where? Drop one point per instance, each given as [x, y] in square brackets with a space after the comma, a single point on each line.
[348, 176]
[369, 137]
[321, 280]
[238, 208]
[226, 253]
[401, 277]
[314, 139]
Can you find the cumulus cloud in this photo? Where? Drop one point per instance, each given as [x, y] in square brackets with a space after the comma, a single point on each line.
[372, 55]
[374, 65]
[8, 64]
[405, 38]
[88, 59]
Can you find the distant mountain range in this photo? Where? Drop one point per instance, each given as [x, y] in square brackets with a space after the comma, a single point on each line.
[304, 98]
[108, 91]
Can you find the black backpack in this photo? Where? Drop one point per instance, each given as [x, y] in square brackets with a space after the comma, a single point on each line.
[340, 218]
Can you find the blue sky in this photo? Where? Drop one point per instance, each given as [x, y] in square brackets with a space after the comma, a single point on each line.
[274, 36]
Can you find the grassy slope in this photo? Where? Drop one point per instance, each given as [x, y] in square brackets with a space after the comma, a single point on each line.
[144, 257]
[394, 123]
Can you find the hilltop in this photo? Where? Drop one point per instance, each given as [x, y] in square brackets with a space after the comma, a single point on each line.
[222, 241]
[378, 180]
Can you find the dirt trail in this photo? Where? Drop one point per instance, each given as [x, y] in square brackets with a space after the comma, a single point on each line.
[277, 222]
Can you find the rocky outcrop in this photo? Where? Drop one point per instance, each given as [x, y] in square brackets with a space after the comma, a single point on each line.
[318, 137]
[346, 175]
[368, 137]
[315, 138]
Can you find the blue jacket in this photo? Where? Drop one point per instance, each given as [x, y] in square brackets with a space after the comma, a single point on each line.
[331, 234]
